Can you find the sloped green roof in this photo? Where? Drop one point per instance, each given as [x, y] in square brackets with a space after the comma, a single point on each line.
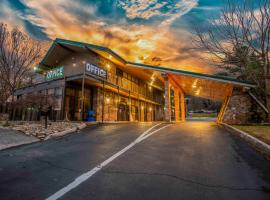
[144, 66]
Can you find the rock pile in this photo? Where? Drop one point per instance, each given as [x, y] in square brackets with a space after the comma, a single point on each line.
[38, 130]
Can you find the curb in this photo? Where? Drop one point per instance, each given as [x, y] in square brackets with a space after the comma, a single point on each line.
[60, 134]
[63, 133]
[19, 145]
[254, 142]
[55, 135]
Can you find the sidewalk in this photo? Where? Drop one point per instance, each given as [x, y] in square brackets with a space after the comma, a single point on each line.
[11, 138]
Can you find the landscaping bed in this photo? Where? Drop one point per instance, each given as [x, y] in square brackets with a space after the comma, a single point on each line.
[203, 115]
[37, 129]
[262, 132]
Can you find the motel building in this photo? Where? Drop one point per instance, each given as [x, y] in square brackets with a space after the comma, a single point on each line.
[90, 82]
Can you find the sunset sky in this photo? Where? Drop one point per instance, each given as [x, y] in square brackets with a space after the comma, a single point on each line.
[146, 31]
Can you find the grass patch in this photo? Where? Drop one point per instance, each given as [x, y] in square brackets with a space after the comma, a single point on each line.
[212, 115]
[262, 132]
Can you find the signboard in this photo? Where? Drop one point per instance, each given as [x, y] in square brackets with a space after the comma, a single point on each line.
[93, 69]
[55, 73]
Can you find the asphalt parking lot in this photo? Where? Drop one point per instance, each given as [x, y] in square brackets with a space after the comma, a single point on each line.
[194, 160]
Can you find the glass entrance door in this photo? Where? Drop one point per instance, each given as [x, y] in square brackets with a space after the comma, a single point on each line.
[73, 103]
[123, 111]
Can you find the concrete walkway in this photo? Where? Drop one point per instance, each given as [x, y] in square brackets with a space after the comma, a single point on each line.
[12, 138]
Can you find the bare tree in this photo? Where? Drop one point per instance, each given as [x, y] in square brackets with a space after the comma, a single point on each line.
[39, 100]
[18, 54]
[3, 91]
[239, 42]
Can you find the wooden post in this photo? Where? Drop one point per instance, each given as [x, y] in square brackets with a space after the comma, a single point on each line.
[118, 102]
[176, 104]
[183, 110]
[167, 109]
[103, 102]
[63, 100]
[82, 98]
[139, 110]
[130, 112]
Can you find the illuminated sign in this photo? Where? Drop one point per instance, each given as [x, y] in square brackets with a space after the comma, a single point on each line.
[93, 69]
[55, 73]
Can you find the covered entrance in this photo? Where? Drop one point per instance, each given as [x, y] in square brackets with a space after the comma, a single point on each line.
[178, 83]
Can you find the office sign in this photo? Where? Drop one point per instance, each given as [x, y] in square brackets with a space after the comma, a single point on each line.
[93, 69]
[55, 73]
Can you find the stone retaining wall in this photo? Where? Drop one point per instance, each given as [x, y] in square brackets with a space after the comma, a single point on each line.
[242, 109]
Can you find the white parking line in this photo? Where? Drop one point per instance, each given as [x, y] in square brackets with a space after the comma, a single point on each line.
[90, 173]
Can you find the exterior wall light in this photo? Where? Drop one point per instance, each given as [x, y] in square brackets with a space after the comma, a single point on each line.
[150, 109]
[110, 56]
[108, 66]
[108, 100]
[142, 107]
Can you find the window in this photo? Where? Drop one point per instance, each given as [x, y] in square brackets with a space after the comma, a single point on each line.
[51, 91]
[119, 72]
[58, 91]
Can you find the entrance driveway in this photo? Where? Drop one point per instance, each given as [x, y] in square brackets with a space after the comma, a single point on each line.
[194, 160]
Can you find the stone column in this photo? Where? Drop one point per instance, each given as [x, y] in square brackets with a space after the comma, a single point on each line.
[167, 109]
[176, 104]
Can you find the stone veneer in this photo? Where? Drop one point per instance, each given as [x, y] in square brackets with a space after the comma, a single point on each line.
[242, 109]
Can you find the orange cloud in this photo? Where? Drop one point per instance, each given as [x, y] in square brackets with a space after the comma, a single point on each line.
[138, 43]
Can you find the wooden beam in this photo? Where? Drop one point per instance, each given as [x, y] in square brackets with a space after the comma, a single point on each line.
[66, 48]
[224, 106]
[174, 82]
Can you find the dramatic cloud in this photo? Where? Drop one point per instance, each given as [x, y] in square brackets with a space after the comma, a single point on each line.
[9, 16]
[157, 44]
[149, 8]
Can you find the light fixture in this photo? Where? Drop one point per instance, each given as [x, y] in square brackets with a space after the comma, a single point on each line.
[150, 109]
[110, 56]
[108, 100]
[195, 84]
[84, 62]
[35, 68]
[142, 107]
[108, 66]
[74, 64]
